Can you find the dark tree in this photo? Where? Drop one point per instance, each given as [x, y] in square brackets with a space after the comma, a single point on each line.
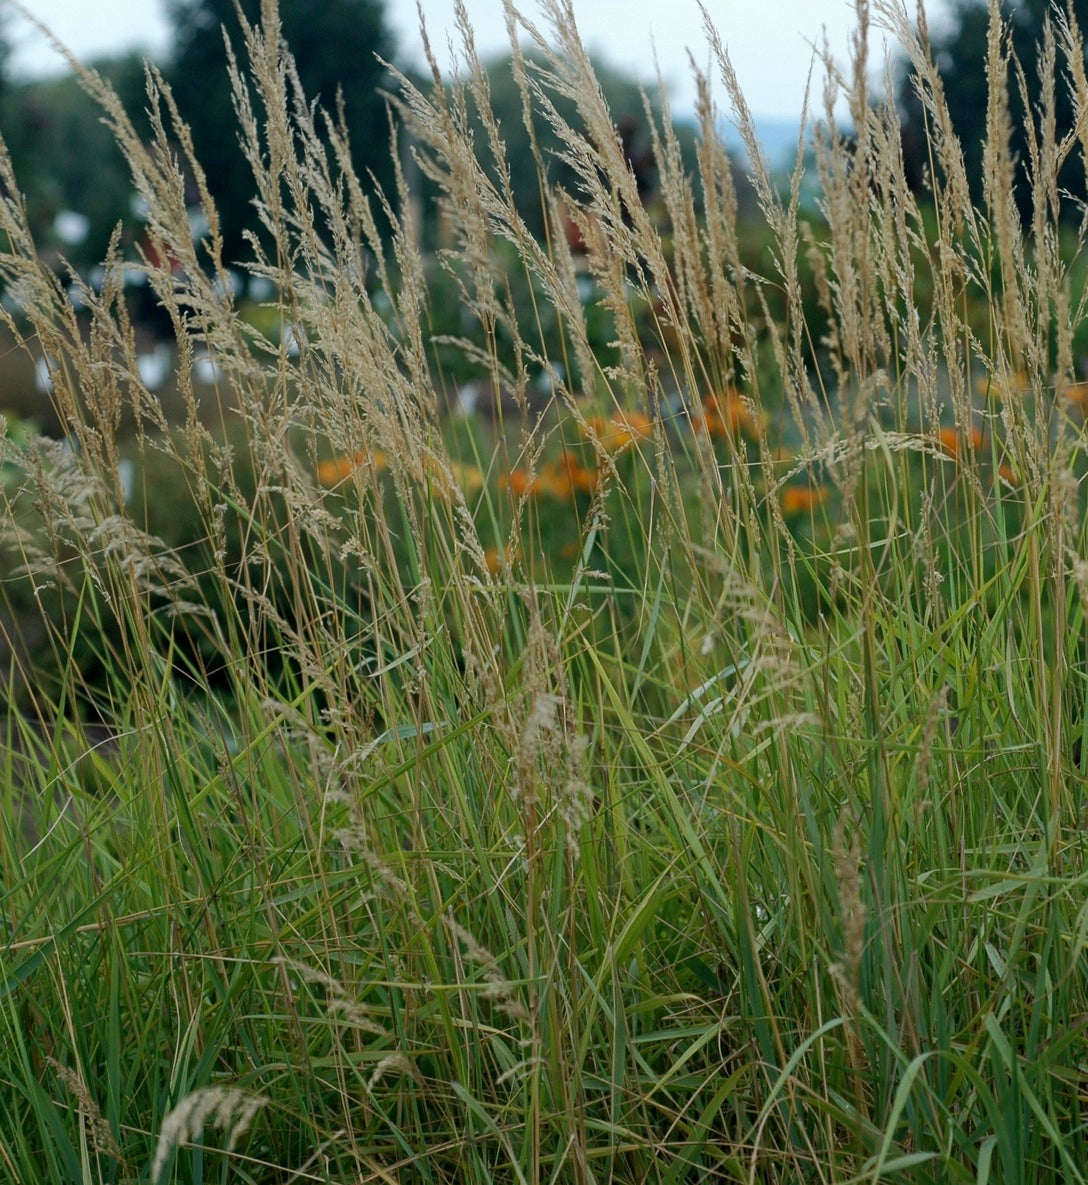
[66, 159]
[5, 56]
[336, 45]
[959, 51]
[624, 98]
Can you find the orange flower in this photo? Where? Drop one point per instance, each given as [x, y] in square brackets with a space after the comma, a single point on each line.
[469, 477]
[727, 414]
[802, 499]
[1003, 386]
[498, 561]
[950, 440]
[562, 479]
[1076, 395]
[619, 431]
[582, 479]
[568, 477]
[708, 425]
[518, 482]
[1008, 475]
[444, 475]
[331, 473]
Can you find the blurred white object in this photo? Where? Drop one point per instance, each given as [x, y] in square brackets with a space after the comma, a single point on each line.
[261, 288]
[43, 375]
[154, 368]
[71, 227]
[468, 396]
[206, 369]
[550, 378]
[126, 471]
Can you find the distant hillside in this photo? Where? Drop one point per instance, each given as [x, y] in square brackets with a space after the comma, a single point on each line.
[777, 137]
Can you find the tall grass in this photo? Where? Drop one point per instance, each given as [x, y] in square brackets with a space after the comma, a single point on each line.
[370, 834]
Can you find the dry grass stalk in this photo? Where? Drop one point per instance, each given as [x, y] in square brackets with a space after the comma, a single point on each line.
[228, 1109]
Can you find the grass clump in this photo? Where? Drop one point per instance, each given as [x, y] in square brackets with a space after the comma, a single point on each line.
[677, 777]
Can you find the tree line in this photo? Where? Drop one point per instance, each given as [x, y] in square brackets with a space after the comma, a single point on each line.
[959, 38]
[68, 164]
[66, 160]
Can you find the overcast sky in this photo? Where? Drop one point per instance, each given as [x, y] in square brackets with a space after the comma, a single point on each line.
[769, 41]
